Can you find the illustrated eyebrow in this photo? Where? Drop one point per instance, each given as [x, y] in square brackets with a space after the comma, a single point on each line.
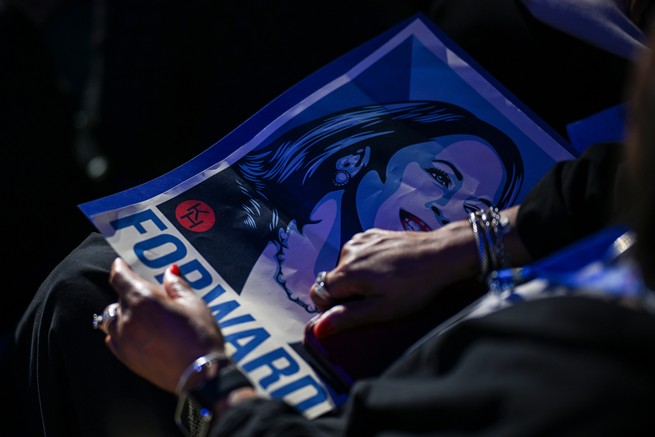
[458, 175]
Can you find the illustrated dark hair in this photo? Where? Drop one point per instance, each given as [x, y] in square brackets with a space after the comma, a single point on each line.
[293, 172]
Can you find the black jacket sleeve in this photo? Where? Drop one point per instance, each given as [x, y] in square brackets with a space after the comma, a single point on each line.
[558, 366]
[263, 417]
[574, 199]
[68, 383]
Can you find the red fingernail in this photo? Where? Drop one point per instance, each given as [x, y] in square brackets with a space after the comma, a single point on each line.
[176, 270]
[323, 328]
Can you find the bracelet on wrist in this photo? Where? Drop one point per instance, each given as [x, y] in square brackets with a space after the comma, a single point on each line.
[228, 379]
[197, 367]
[195, 406]
[489, 227]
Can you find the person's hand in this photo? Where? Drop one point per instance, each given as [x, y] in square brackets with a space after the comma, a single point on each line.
[383, 275]
[160, 330]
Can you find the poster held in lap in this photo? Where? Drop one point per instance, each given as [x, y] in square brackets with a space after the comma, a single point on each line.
[405, 133]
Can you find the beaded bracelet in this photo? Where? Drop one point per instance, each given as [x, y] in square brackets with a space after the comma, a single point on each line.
[489, 227]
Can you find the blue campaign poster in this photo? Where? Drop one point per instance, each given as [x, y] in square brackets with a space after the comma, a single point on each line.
[403, 133]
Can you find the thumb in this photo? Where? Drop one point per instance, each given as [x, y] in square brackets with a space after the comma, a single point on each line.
[127, 284]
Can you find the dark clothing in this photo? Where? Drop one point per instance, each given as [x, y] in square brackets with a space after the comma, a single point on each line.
[70, 383]
[575, 199]
[558, 366]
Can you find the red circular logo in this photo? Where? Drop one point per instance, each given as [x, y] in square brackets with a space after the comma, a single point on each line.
[195, 215]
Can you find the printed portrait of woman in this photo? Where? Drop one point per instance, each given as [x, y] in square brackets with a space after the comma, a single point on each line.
[414, 165]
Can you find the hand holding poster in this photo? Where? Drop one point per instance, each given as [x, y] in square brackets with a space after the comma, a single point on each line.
[403, 133]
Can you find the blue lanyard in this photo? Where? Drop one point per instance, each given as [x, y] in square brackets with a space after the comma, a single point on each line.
[590, 267]
[587, 268]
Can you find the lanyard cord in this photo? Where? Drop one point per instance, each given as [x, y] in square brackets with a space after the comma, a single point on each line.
[575, 271]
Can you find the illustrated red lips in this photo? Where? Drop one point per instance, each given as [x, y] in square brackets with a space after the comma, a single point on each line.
[410, 222]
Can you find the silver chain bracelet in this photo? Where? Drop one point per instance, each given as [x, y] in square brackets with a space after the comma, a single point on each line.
[489, 227]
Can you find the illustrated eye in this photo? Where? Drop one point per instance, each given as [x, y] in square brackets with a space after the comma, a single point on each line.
[440, 176]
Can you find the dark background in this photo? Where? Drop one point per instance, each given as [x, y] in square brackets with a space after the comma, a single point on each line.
[143, 86]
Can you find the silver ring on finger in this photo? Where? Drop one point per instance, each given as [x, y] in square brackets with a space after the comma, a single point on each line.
[102, 321]
[320, 287]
